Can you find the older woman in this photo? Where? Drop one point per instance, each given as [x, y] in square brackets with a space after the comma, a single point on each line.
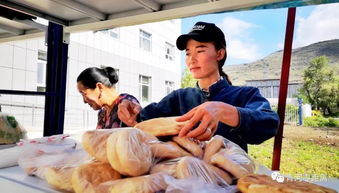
[97, 87]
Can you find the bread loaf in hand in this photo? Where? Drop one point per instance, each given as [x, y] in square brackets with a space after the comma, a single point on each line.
[163, 126]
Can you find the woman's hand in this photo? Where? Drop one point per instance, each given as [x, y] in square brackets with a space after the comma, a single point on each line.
[128, 112]
[208, 115]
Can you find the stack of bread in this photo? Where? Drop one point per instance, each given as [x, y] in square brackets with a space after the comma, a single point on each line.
[134, 160]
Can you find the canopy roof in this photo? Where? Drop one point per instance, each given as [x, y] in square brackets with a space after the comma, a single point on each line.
[18, 17]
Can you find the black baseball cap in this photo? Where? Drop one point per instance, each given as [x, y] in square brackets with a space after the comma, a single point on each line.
[202, 32]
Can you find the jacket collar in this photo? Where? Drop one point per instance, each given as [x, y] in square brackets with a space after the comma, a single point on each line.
[214, 88]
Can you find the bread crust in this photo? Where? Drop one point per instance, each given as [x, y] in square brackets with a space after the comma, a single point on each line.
[255, 183]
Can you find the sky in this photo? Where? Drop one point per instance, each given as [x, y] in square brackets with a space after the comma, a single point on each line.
[252, 35]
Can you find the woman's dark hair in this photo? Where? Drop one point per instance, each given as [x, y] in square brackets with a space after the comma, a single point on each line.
[221, 63]
[91, 76]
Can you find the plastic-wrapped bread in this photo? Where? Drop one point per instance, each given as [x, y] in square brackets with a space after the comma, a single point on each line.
[141, 184]
[164, 126]
[94, 142]
[221, 173]
[169, 167]
[229, 149]
[59, 177]
[234, 152]
[189, 145]
[128, 152]
[88, 176]
[36, 164]
[226, 163]
[194, 167]
[212, 147]
[168, 150]
[10, 130]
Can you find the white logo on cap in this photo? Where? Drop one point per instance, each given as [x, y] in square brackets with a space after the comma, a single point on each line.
[198, 27]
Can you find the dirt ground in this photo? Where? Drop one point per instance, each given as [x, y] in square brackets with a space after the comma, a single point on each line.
[322, 136]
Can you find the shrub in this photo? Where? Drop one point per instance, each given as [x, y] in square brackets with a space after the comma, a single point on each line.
[319, 121]
[332, 122]
[315, 121]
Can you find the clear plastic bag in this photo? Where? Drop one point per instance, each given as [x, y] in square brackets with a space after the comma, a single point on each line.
[33, 164]
[196, 185]
[141, 184]
[34, 147]
[193, 167]
[228, 155]
[126, 149]
[10, 129]
[55, 168]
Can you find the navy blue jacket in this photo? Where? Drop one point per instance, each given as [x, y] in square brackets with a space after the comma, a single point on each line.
[257, 121]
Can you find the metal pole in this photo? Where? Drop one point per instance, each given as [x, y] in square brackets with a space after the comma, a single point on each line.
[285, 69]
[56, 74]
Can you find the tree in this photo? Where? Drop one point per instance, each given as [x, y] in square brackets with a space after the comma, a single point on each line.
[187, 79]
[321, 86]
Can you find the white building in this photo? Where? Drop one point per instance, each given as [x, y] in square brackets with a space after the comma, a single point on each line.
[148, 64]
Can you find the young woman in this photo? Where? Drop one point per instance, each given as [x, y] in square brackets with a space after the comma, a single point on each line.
[240, 114]
[97, 87]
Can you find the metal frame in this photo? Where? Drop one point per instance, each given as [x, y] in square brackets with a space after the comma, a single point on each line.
[149, 11]
[57, 53]
[285, 70]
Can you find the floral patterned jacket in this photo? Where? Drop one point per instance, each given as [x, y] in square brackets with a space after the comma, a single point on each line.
[113, 121]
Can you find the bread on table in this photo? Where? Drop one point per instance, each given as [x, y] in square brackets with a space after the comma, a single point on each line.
[192, 166]
[256, 183]
[163, 126]
[223, 161]
[189, 145]
[59, 177]
[212, 147]
[141, 184]
[128, 152]
[88, 176]
[221, 173]
[169, 167]
[169, 150]
[94, 142]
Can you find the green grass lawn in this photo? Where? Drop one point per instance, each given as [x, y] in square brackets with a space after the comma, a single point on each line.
[300, 158]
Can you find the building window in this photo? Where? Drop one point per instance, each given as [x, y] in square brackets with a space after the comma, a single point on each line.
[41, 79]
[169, 86]
[145, 88]
[114, 32]
[169, 51]
[145, 40]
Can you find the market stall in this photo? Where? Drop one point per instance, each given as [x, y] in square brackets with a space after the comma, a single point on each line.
[69, 16]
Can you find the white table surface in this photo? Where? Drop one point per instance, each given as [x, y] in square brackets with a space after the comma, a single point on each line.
[14, 180]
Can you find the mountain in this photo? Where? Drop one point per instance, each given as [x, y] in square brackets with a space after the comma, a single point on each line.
[269, 67]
